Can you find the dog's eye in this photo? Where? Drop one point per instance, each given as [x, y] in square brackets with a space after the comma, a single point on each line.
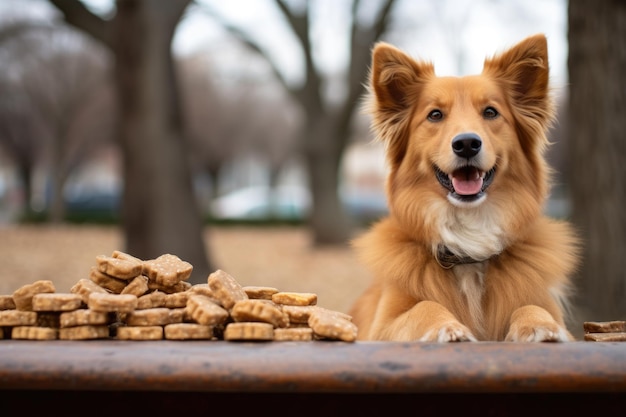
[490, 113]
[435, 116]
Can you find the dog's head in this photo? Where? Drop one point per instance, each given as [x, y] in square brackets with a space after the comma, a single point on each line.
[463, 144]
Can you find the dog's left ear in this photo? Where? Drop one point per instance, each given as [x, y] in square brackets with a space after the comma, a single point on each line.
[524, 72]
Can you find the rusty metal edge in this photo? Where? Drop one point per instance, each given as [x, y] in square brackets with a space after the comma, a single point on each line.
[313, 367]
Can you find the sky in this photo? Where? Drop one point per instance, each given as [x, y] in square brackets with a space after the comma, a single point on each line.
[456, 35]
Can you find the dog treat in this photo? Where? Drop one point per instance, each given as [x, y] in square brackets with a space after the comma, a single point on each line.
[260, 293]
[294, 334]
[177, 315]
[84, 332]
[259, 310]
[152, 300]
[148, 317]
[180, 286]
[6, 302]
[120, 265]
[84, 287]
[188, 331]
[295, 298]
[176, 300]
[330, 326]
[23, 296]
[204, 311]
[159, 304]
[140, 332]
[249, 331]
[56, 302]
[108, 282]
[17, 318]
[167, 270]
[83, 317]
[122, 303]
[34, 333]
[604, 326]
[605, 331]
[138, 286]
[226, 289]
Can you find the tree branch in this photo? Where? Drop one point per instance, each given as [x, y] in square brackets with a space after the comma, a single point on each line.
[77, 14]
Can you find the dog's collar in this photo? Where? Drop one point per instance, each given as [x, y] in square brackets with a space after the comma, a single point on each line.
[447, 260]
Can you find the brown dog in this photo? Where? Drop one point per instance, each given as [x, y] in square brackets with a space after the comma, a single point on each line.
[465, 253]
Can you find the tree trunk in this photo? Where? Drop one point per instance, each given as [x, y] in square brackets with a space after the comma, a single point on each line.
[328, 220]
[597, 152]
[160, 213]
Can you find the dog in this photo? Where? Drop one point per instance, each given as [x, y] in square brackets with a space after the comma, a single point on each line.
[465, 253]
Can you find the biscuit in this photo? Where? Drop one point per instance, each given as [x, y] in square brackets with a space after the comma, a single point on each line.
[176, 300]
[299, 334]
[137, 286]
[298, 314]
[23, 296]
[120, 265]
[604, 326]
[122, 303]
[151, 300]
[204, 311]
[56, 302]
[260, 293]
[226, 289]
[34, 333]
[148, 317]
[295, 298]
[188, 331]
[17, 318]
[84, 332]
[83, 317]
[180, 286]
[167, 269]
[84, 287]
[259, 310]
[328, 325]
[108, 282]
[177, 315]
[140, 332]
[6, 302]
[606, 337]
[249, 331]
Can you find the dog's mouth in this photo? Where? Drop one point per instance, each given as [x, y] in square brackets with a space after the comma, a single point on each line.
[466, 184]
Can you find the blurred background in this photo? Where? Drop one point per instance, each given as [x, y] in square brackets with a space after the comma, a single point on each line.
[231, 133]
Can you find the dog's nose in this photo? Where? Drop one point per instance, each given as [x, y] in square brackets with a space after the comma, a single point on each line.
[466, 145]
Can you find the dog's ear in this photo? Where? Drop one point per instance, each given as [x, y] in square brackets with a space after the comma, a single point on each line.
[394, 85]
[395, 77]
[524, 72]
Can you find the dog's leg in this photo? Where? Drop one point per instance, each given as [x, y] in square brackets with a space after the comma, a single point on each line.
[534, 324]
[428, 321]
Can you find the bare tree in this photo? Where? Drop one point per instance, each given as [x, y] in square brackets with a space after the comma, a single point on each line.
[160, 213]
[326, 129]
[597, 151]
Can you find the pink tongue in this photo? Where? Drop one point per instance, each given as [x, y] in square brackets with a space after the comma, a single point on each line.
[467, 183]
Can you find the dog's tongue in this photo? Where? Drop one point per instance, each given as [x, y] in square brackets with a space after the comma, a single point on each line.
[467, 181]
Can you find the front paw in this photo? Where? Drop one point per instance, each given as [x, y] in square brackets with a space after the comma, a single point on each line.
[449, 332]
[545, 332]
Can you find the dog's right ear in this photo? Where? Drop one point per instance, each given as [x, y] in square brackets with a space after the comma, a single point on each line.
[395, 84]
[395, 77]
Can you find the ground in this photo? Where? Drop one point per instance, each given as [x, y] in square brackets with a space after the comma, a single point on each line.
[281, 257]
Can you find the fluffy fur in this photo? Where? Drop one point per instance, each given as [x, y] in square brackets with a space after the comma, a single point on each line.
[467, 176]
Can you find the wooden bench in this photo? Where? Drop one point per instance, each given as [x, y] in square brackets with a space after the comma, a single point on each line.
[315, 378]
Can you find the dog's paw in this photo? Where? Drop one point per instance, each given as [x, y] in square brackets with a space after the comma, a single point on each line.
[450, 332]
[546, 332]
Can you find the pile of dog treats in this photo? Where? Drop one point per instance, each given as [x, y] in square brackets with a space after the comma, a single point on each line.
[605, 331]
[127, 298]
